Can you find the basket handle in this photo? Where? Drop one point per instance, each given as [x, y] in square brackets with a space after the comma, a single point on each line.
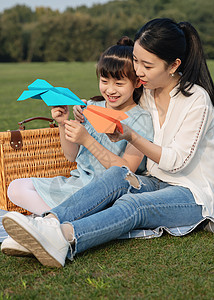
[51, 122]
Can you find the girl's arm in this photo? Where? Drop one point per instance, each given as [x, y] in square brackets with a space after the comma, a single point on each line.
[60, 114]
[76, 133]
[70, 149]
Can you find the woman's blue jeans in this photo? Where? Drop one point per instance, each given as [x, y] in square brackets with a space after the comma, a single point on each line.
[108, 207]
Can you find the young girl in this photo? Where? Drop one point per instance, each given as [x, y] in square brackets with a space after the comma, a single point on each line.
[93, 152]
[179, 187]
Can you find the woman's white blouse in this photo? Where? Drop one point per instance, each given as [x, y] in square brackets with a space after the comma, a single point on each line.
[187, 141]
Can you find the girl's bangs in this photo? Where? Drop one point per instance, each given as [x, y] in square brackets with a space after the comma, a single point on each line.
[115, 68]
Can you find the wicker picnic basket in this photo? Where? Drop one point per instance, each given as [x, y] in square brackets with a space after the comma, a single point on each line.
[30, 153]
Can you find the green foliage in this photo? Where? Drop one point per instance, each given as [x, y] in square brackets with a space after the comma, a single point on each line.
[81, 34]
[11, 37]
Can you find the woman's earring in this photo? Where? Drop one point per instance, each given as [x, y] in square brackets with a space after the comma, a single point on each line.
[172, 74]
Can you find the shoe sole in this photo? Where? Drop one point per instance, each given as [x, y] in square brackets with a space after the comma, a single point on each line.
[14, 252]
[26, 239]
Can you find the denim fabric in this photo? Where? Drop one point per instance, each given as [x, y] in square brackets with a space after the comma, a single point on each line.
[56, 190]
[3, 233]
[109, 207]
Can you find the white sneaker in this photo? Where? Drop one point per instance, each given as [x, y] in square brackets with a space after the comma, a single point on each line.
[10, 247]
[41, 236]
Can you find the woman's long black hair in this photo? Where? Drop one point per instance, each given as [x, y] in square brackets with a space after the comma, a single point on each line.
[170, 40]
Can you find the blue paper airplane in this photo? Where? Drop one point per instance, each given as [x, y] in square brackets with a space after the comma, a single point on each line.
[52, 96]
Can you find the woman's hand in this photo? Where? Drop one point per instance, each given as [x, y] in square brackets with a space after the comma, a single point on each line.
[118, 136]
[76, 132]
[78, 112]
[60, 113]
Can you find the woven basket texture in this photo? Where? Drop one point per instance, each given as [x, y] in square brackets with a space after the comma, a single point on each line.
[40, 156]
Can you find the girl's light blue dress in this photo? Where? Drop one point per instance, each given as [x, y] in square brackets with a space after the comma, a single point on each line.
[57, 189]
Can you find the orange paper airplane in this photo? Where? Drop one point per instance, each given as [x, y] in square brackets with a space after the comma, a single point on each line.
[104, 120]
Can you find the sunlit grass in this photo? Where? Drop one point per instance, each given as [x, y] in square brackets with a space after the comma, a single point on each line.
[15, 78]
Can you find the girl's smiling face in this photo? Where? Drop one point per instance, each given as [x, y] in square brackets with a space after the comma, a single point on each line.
[152, 71]
[118, 93]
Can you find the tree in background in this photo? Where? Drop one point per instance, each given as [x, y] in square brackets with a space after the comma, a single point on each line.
[11, 42]
[81, 34]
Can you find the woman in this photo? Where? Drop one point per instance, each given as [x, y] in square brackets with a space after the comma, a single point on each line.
[179, 187]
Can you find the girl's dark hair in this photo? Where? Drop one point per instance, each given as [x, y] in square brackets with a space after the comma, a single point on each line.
[117, 62]
[170, 40]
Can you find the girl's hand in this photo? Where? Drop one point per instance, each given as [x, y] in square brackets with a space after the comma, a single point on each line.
[76, 132]
[60, 113]
[118, 136]
[77, 110]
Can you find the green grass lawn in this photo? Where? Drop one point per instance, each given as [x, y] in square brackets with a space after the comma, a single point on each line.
[15, 78]
[163, 268]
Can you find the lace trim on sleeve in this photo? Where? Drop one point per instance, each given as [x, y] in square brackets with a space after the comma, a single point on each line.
[193, 148]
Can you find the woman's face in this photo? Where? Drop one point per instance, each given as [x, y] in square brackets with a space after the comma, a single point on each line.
[152, 71]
